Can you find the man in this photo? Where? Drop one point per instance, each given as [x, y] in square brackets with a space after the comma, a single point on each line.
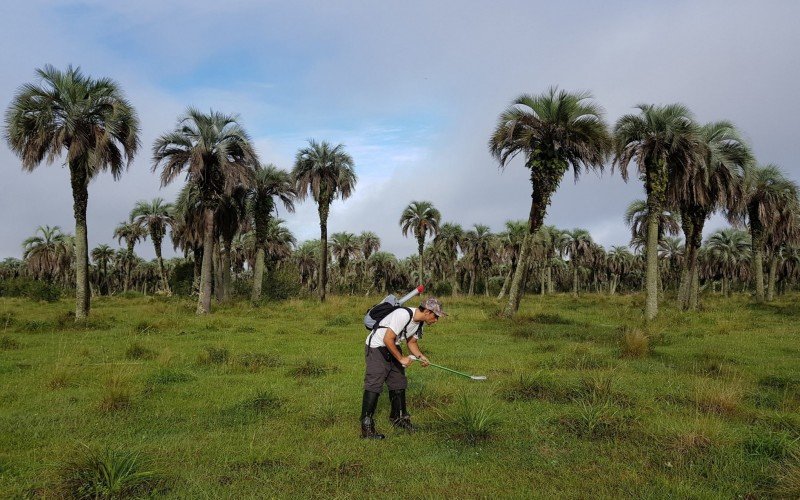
[387, 364]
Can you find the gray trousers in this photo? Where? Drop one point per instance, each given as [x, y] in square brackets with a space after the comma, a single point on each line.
[381, 370]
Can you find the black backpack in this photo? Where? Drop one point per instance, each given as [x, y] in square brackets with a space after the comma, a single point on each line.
[376, 313]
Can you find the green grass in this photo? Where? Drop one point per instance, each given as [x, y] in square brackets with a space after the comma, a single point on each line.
[582, 400]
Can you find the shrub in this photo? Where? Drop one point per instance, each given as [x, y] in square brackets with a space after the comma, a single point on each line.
[472, 422]
[634, 344]
[282, 284]
[109, 474]
[37, 290]
[441, 289]
[181, 280]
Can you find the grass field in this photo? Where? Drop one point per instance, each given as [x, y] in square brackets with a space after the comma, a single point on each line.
[581, 401]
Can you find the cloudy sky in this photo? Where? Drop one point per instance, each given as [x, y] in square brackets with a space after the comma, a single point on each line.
[412, 89]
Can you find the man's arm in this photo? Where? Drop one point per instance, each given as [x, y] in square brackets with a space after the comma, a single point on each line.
[388, 341]
[413, 346]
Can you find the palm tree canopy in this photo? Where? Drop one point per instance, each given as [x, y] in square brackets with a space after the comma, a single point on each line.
[154, 215]
[370, 243]
[324, 171]
[129, 231]
[271, 183]
[769, 199]
[658, 135]
[556, 126]
[213, 149]
[636, 218]
[421, 218]
[90, 119]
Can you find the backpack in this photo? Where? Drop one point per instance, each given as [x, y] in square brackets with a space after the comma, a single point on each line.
[388, 305]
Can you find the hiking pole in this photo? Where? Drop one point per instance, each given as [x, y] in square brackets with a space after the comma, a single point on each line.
[473, 377]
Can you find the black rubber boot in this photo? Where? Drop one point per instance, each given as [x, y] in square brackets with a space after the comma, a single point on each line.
[398, 416]
[368, 405]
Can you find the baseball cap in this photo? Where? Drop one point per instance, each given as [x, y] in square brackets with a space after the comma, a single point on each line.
[434, 305]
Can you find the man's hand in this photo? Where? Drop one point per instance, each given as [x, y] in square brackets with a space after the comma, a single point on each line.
[406, 361]
[423, 360]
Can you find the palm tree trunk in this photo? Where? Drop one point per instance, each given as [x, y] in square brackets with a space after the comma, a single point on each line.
[161, 270]
[694, 293]
[550, 286]
[323, 241]
[226, 270]
[758, 262]
[204, 298]
[515, 294]
[129, 266]
[574, 280]
[215, 260]
[421, 247]
[543, 280]
[198, 253]
[773, 268]
[652, 274]
[506, 282]
[80, 196]
[258, 275]
[471, 282]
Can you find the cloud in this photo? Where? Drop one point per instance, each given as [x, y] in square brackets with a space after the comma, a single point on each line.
[412, 89]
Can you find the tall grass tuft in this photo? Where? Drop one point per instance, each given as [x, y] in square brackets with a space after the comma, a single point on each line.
[109, 474]
[8, 343]
[116, 395]
[213, 356]
[138, 351]
[311, 368]
[789, 478]
[471, 421]
[718, 398]
[634, 344]
[540, 385]
[254, 362]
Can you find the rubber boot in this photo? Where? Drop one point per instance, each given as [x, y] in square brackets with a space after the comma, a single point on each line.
[368, 405]
[398, 416]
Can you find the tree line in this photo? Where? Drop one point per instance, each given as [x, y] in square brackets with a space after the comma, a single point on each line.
[225, 218]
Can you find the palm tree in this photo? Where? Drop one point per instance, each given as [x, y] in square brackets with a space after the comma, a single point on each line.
[43, 253]
[420, 218]
[768, 204]
[132, 233]
[344, 247]
[479, 246]
[102, 255]
[451, 239]
[325, 172]
[727, 249]
[155, 216]
[271, 184]
[715, 183]
[553, 131]
[619, 263]
[229, 219]
[369, 244]
[307, 257]
[217, 155]
[636, 217]
[384, 267]
[577, 244]
[88, 120]
[671, 252]
[510, 245]
[663, 140]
